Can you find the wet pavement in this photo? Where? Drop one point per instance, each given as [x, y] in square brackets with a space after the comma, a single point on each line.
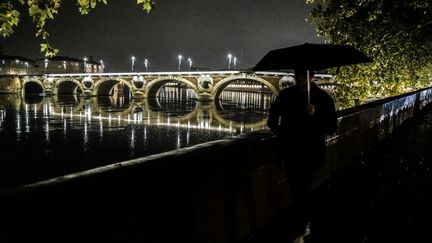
[385, 197]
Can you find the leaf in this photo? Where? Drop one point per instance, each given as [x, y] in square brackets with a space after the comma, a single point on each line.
[148, 5]
[393, 33]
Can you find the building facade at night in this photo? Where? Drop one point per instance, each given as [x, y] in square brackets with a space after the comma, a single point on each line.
[16, 65]
[60, 64]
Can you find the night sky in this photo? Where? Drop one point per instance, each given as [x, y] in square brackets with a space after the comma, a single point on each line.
[205, 30]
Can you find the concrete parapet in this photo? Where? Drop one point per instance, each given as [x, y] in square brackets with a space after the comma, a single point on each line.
[212, 192]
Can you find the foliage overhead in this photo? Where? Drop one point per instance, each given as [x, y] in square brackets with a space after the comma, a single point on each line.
[41, 11]
[396, 34]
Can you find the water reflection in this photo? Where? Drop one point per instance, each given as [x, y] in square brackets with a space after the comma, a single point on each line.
[43, 137]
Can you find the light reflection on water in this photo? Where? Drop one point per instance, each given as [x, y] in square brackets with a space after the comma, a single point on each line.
[43, 137]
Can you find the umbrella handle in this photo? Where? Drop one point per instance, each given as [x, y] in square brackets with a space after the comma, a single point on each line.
[308, 86]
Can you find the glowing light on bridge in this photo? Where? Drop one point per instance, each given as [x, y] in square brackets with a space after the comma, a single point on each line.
[180, 57]
[190, 63]
[85, 64]
[133, 62]
[146, 64]
[229, 61]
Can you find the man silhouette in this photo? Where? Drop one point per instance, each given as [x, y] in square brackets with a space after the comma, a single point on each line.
[301, 127]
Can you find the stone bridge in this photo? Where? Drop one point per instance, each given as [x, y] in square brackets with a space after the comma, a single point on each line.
[206, 85]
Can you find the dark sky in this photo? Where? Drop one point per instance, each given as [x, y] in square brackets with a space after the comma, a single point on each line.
[205, 30]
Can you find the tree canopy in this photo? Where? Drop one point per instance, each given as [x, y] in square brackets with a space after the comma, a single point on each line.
[42, 11]
[396, 34]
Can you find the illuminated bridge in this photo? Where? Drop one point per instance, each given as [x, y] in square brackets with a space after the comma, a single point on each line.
[205, 85]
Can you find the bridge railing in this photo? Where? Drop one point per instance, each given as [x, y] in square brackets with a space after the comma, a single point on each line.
[182, 73]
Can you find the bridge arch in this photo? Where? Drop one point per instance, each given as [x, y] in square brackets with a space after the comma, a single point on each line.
[67, 86]
[33, 86]
[105, 86]
[155, 85]
[221, 85]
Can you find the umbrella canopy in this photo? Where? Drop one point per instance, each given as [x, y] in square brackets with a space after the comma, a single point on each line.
[311, 57]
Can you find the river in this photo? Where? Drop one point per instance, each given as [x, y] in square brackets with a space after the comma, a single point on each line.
[44, 137]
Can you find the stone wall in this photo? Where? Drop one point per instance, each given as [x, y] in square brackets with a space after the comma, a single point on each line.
[9, 84]
[213, 192]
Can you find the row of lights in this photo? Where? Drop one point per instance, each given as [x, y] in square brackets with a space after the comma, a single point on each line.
[46, 61]
[146, 63]
[231, 59]
[17, 62]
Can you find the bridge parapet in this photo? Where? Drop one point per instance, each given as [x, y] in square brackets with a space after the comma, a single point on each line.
[206, 85]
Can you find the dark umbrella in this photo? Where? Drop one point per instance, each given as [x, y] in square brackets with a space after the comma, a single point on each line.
[311, 57]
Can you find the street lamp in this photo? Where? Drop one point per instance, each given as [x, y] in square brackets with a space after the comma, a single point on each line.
[85, 64]
[179, 63]
[235, 62]
[46, 63]
[190, 63]
[229, 61]
[102, 66]
[133, 62]
[146, 64]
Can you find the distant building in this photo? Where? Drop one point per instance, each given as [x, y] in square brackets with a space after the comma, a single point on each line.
[15, 65]
[66, 64]
[94, 67]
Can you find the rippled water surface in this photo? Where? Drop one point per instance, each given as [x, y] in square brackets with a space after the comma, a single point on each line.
[44, 137]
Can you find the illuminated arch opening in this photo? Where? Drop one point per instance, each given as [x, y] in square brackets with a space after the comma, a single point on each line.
[113, 87]
[175, 98]
[172, 95]
[171, 89]
[244, 94]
